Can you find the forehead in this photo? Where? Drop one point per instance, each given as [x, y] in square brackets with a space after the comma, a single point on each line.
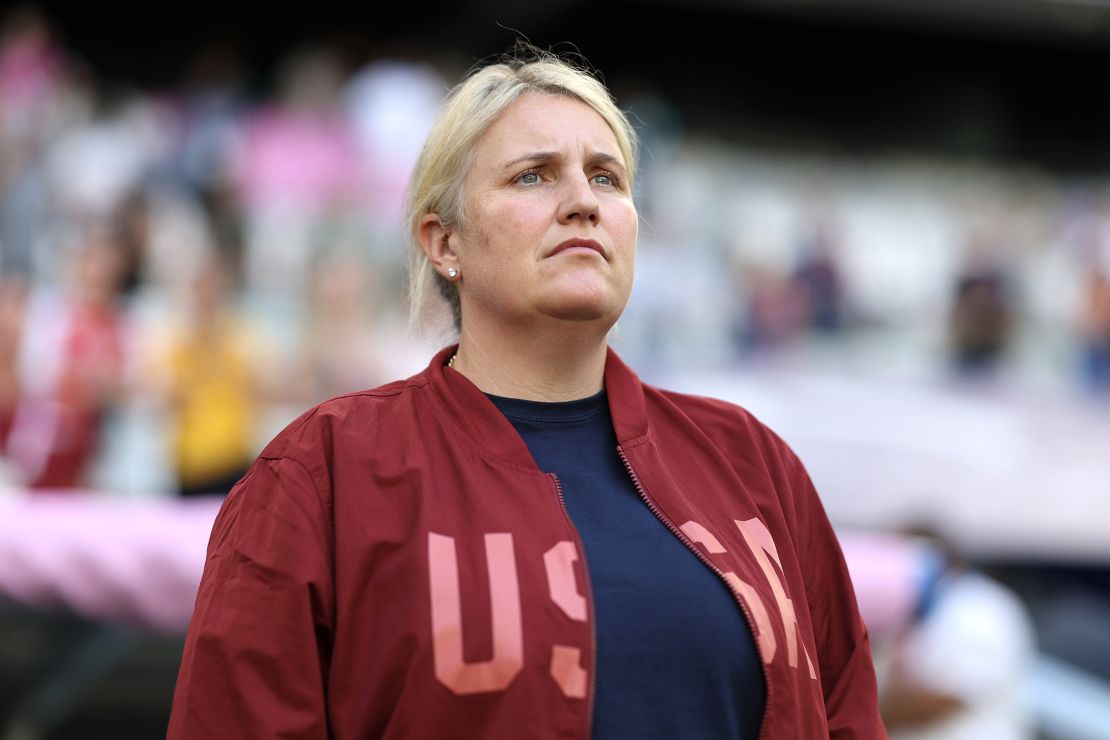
[538, 122]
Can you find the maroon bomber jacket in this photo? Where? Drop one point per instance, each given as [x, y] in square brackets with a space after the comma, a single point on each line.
[394, 565]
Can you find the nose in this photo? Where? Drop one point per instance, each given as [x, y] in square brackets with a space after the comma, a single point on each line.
[579, 201]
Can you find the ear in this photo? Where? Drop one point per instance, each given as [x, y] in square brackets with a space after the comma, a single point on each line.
[436, 241]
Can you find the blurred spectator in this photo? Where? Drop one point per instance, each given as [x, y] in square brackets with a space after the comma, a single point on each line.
[341, 350]
[25, 217]
[818, 276]
[774, 311]
[391, 105]
[13, 303]
[981, 323]
[212, 106]
[960, 670]
[70, 365]
[95, 166]
[31, 71]
[661, 128]
[293, 171]
[209, 370]
[1094, 330]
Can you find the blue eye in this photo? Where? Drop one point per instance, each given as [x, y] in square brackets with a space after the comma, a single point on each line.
[529, 178]
[603, 180]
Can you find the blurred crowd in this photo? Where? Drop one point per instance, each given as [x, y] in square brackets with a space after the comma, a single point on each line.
[198, 256]
[184, 270]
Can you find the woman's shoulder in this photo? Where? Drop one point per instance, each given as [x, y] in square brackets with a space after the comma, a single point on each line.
[359, 415]
[731, 426]
[713, 415]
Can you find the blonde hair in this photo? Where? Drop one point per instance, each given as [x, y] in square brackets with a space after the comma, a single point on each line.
[471, 108]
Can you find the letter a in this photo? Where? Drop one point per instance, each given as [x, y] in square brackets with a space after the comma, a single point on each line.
[762, 544]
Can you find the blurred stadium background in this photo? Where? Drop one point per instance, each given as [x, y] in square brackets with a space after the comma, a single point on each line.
[883, 227]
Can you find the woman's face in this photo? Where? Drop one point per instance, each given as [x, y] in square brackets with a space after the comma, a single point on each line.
[550, 228]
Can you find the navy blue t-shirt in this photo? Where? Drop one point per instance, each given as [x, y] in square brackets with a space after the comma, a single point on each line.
[675, 656]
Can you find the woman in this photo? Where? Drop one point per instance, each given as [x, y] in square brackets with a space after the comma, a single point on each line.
[411, 561]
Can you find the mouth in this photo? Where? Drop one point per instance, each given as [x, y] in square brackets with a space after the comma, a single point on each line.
[577, 245]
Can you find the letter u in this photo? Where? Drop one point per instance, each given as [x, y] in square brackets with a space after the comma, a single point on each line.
[499, 671]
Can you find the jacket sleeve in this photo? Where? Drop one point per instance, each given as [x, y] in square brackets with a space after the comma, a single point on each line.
[844, 651]
[257, 652]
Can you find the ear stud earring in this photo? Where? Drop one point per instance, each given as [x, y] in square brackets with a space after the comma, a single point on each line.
[452, 272]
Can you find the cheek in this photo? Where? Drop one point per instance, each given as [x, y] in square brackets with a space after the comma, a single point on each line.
[527, 220]
[514, 229]
[625, 225]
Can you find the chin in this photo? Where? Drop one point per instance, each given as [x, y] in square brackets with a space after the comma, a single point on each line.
[583, 296]
[581, 314]
[584, 308]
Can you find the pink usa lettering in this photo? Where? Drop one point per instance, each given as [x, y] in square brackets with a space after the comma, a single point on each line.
[762, 545]
[495, 674]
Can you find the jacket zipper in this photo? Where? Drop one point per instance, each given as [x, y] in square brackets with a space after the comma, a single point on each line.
[592, 679]
[693, 548]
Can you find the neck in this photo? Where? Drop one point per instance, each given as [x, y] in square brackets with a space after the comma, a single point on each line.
[534, 365]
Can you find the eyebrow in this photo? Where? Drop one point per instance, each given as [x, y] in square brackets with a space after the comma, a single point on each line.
[532, 157]
[608, 160]
[598, 158]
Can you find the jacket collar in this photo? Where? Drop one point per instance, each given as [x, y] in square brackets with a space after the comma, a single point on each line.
[479, 420]
[625, 392]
